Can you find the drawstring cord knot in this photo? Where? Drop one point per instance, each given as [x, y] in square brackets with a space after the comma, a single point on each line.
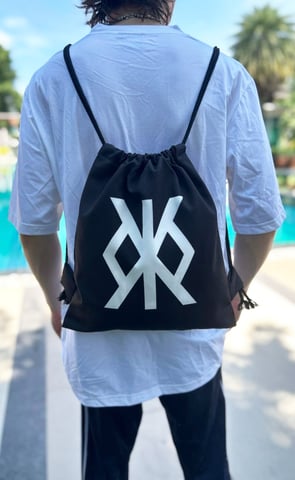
[245, 301]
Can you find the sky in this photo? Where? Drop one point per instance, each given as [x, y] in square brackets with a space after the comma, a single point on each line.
[34, 30]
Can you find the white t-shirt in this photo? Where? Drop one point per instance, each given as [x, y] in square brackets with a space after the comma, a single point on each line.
[142, 83]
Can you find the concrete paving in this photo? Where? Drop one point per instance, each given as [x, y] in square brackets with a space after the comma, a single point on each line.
[40, 417]
[259, 377]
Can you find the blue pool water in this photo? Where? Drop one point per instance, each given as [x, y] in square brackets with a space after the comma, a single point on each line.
[12, 258]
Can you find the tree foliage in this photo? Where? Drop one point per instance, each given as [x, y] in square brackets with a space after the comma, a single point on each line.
[10, 99]
[287, 121]
[265, 46]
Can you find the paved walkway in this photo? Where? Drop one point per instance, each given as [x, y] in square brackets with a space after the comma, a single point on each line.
[40, 418]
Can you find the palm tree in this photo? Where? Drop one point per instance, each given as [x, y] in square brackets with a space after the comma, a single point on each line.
[265, 45]
[287, 121]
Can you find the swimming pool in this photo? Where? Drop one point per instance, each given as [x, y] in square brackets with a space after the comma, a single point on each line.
[12, 258]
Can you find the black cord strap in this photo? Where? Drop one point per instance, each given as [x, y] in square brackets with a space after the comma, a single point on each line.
[203, 89]
[80, 92]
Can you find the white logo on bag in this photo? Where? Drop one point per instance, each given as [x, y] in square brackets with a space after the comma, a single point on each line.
[148, 246]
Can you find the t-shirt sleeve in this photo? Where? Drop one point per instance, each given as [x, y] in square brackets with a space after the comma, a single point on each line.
[254, 198]
[35, 207]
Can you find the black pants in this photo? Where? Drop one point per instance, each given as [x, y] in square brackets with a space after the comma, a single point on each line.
[197, 424]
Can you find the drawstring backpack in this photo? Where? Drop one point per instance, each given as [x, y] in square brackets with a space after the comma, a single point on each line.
[147, 250]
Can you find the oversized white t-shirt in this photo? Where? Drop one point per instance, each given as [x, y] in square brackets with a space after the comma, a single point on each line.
[142, 83]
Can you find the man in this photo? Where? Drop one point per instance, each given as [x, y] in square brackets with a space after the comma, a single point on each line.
[141, 78]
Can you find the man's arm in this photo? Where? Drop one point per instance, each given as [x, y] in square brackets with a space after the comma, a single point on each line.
[43, 253]
[250, 252]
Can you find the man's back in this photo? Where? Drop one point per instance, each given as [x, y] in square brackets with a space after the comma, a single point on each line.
[142, 83]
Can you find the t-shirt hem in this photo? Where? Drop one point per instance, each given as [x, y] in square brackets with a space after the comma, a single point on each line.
[261, 228]
[143, 396]
[29, 229]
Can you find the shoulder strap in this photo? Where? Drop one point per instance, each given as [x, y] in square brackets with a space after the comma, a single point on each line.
[204, 86]
[80, 92]
[203, 89]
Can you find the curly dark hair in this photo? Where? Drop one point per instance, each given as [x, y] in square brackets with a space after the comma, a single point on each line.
[101, 10]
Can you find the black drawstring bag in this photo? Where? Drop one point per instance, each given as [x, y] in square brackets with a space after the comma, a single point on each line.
[147, 249]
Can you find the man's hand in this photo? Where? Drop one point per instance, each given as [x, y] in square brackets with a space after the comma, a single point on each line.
[235, 305]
